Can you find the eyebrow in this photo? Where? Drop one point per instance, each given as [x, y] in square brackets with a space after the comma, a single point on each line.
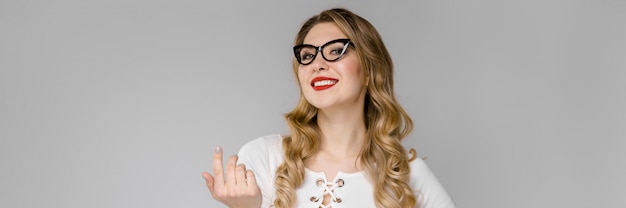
[305, 43]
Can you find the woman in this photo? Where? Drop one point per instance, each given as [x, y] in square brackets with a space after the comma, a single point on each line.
[345, 147]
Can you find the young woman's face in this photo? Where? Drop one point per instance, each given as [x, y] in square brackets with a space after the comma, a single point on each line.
[331, 84]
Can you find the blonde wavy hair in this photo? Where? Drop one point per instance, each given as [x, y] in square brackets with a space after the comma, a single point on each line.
[383, 157]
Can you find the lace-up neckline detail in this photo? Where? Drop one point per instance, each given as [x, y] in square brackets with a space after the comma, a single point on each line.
[322, 191]
[327, 188]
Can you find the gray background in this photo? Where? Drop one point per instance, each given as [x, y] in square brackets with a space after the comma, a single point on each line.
[119, 103]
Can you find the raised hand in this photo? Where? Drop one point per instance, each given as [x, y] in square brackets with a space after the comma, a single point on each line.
[236, 189]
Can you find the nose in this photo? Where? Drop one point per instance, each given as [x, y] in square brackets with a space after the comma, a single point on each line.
[319, 63]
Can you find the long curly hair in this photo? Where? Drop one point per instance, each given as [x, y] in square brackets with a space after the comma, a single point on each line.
[383, 157]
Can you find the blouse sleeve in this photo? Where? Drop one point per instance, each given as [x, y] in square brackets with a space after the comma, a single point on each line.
[256, 155]
[427, 188]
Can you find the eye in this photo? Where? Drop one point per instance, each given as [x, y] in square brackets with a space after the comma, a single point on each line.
[307, 56]
[307, 53]
[336, 51]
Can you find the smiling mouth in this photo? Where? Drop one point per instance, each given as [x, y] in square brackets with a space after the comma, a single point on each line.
[322, 83]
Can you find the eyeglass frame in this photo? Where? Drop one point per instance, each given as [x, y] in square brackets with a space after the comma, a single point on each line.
[320, 49]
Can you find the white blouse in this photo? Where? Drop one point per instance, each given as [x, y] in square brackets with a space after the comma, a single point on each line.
[346, 190]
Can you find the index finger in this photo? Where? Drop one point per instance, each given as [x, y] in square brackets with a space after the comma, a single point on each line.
[218, 168]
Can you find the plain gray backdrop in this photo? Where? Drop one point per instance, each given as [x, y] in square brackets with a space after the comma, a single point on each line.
[115, 103]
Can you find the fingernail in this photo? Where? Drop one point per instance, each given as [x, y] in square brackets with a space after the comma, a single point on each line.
[218, 149]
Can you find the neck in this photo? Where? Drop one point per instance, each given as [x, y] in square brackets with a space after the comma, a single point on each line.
[343, 132]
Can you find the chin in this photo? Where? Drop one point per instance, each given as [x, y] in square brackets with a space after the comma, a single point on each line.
[320, 106]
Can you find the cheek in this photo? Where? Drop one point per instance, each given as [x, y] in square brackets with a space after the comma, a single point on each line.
[302, 78]
[353, 68]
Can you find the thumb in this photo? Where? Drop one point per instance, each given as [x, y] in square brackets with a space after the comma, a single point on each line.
[210, 182]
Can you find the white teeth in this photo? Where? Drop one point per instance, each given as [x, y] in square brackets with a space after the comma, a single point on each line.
[324, 82]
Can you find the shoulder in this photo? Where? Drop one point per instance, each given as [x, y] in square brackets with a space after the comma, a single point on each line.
[426, 186]
[264, 151]
[265, 143]
[419, 169]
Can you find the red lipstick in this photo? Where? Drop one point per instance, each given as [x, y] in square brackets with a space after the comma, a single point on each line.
[322, 83]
